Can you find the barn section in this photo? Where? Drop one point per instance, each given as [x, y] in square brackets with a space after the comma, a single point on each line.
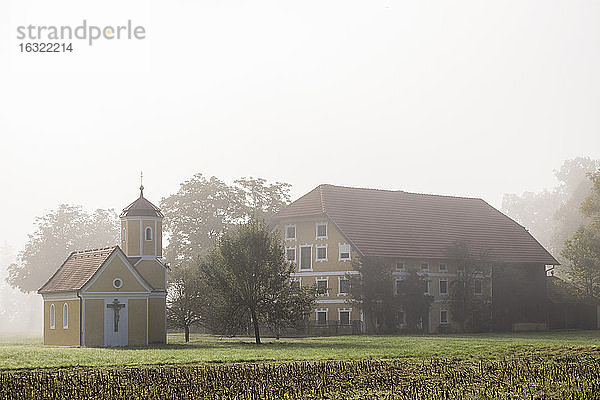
[567, 310]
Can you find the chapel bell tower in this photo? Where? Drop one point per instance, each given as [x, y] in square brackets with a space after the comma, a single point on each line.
[141, 229]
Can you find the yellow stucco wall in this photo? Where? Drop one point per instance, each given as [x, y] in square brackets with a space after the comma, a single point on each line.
[94, 322]
[148, 244]
[137, 322]
[133, 238]
[152, 272]
[60, 336]
[156, 320]
[116, 269]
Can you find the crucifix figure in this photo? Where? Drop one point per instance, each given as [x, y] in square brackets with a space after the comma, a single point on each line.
[116, 307]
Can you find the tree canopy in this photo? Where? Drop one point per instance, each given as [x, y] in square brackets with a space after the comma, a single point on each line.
[58, 233]
[204, 208]
[250, 281]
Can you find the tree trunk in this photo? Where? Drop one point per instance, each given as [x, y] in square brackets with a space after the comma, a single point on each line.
[256, 330]
[187, 333]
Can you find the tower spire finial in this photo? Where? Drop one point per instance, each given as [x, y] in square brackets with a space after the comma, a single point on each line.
[141, 184]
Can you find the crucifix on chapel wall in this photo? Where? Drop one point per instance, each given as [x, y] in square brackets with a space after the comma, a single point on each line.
[116, 307]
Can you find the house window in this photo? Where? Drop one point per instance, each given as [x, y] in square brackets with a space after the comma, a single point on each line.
[65, 316]
[344, 252]
[322, 287]
[290, 254]
[425, 267]
[400, 266]
[321, 231]
[148, 234]
[344, 317]
[344, 286]
[443, 287]
[426, 287]
[443, 316]
[322, 253]
[443, 268]
[397, 286]
[478, 286]
[290, 232]
[52, 316]
[295, 284]
[401, 318]
[305, 257]
[322, 317]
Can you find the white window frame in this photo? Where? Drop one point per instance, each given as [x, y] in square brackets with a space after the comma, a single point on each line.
[65, 316]
[340, 279]
[340, 245]
[440, 287]
[349, 311]
[400, 266]
[295, 254]
[402, 324]
[317, 311]
[321, 246]
[424, 267]
[317, 230]
[52, 316]
[445, 266]
[396, 285]
[286, 232]
[300, 258]
[427, 286]
[321, 279]
[146, 234]
[447, 317]
[114, 282]
[475, 292]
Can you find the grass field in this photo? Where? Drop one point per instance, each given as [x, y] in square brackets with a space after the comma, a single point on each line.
[29, 353]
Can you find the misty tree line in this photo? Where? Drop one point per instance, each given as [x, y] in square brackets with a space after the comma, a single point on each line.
[206, 214]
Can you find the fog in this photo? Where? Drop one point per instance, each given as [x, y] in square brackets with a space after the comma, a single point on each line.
[472, 99]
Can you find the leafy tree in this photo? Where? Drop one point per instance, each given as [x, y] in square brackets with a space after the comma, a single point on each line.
[583, 252]
[58, 233]
[374, 291]
[591, 205]
[204, 208]
[552, 216]
[187, 299]
[412, 299]
[463, 301]
[250, 279]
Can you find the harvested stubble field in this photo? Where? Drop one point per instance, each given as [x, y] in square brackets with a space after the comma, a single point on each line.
[502, 366]
[565, 374]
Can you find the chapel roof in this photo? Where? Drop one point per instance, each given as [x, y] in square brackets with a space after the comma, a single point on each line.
[398, 224]
[141, 207]
[77, 270]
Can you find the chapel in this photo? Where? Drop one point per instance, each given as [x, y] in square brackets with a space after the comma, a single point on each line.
[112, 296]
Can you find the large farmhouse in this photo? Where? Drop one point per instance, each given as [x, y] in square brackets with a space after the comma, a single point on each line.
[329, 227]
[114, 296]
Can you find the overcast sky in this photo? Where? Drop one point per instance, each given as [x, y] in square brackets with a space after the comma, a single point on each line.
[462, 98]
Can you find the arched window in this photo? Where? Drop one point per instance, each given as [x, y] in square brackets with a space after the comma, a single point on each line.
[51, 316]
[148, 233]
[66, 316]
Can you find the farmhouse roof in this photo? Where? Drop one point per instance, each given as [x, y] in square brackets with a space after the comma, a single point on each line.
[398, 224]
[77, 270]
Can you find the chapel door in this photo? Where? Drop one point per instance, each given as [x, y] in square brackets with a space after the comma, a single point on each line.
[115, 321]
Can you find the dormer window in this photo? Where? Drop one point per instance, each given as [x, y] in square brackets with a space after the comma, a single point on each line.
[148, 234]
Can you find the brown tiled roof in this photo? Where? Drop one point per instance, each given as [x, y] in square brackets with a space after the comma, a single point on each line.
[141, 208]
[399, 224]
[77, 270]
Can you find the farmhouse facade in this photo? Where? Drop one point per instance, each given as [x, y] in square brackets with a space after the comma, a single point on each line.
[114, 296]
[332, 227]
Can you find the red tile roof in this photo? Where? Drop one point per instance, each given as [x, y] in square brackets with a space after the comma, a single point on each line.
[399, 224]
[77, 270]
